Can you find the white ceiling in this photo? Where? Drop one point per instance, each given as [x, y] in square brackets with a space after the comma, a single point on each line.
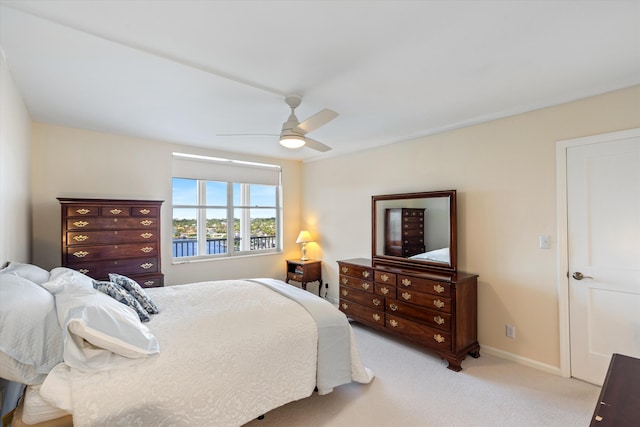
[187, 71]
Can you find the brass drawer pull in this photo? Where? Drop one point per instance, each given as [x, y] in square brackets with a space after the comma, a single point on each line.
[366, 274]
[406, 282]
[345, 280]
[84, 270]
[145, 211]
[146, 265]
[376, 301]
[80, 238]
[146, 222]
[438, 338]
[384, 291]
[81, 224]
[393, 307]
[365, 285]
[345, 270]
[146, 249]
[384, 278]
[393, 323]
[81, 254]
[406, 296]
[438, 303]
[439, 320]
[345, 292]
[438, 288]
[148, 283]
[376, 317]
[83, 211]
[345, 306]
[146, 235]
[116, 211]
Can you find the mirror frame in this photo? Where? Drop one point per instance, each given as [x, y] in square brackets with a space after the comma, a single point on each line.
[405, 262]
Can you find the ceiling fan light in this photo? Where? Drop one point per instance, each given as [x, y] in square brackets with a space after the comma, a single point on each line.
[292, 141]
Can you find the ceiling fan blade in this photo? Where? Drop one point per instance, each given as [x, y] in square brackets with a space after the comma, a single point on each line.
[316, 145]
[317, 120]
[247, 134]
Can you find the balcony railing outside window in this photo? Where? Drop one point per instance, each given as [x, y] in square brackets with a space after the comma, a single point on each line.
[188, 247]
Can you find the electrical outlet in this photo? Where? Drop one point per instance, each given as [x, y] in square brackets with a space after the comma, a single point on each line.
[510, 331]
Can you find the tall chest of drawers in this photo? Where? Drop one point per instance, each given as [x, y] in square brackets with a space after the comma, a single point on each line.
[102, 236]
[433, 309]
[404, 232]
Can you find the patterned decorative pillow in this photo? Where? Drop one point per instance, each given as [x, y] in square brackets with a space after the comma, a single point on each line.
[136, 290]
[120, 294]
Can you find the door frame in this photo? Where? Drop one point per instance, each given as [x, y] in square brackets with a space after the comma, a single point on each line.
[562, 279]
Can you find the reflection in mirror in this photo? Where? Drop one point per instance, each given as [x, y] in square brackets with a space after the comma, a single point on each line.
[415, 228]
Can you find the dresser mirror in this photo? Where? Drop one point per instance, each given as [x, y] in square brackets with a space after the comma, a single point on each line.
[415, 229]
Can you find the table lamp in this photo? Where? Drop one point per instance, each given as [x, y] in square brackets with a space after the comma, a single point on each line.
[304, 237]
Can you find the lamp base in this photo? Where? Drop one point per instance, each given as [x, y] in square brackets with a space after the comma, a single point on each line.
[304, 252]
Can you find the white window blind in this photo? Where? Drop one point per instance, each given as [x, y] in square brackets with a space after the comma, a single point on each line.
[216, 169]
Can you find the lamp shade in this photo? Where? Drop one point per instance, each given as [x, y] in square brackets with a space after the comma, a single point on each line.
[304, 237]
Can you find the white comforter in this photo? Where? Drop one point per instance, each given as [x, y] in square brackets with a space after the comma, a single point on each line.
[230, 351]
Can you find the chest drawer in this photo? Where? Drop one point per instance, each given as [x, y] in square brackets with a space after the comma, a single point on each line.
[75, 238]
[362, 313]
[356, 283]
[362, 297]
[90, 253]
[426, 335]
[101, 223]
[424, 285]
[101, 269]
[115, 211]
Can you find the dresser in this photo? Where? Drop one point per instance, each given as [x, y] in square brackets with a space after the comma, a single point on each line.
[101, 236]
[404, 232]
[437, 310]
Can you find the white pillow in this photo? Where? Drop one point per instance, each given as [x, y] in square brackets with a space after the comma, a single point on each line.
[36, 410]
[27, 271]
[29, 330]
[98, 330]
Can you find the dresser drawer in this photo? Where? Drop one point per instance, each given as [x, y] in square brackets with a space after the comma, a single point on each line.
[101, 223]
[432, 318]
[424, 300]
[362, 297]
[75, 238]
[356, 283]
[417, 331]
[101, 269]
[385, 278]
[362, 314]
[356, 271]
[424, 285]
[91, 253]
[384, 290]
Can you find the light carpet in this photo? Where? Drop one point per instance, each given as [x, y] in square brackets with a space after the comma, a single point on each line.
[414, 388]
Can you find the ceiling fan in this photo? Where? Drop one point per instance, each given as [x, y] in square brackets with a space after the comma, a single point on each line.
[294, 133]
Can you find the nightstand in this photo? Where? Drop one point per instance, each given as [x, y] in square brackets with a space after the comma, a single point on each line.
[304, 272]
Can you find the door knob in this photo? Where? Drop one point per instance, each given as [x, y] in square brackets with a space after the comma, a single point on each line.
[579, 276]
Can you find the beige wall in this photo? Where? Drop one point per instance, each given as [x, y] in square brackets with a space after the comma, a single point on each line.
[15, 172]
[71, 162]
[504, 172]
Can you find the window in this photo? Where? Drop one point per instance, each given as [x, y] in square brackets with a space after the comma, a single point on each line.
[224, 207]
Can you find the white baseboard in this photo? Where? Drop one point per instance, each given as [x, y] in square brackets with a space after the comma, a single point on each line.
[521, 360]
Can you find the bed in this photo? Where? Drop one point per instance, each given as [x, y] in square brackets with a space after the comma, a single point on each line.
[218, 353]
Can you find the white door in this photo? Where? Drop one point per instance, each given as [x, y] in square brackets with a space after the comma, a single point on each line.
[603, 240]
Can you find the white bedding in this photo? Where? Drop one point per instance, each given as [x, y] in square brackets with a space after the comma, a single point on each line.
[230, 351]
